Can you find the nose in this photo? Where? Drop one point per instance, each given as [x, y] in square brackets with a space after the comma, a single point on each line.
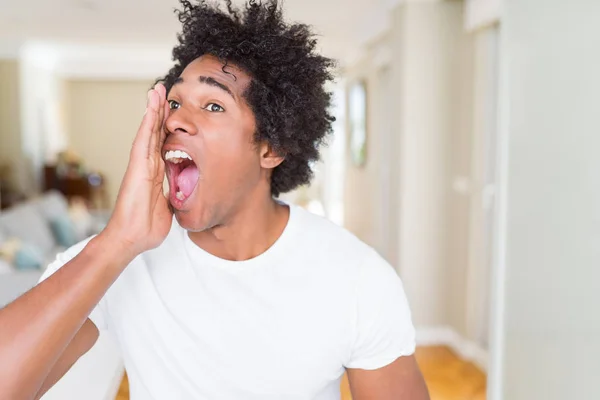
[179, 122]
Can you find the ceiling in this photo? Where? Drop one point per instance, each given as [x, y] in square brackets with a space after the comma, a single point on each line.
[340, 23]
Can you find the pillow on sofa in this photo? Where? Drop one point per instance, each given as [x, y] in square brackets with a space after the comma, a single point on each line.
[52, 204]
[28, 257]
[64, 231]
[83, 221]
[25, 222]
[22, 255]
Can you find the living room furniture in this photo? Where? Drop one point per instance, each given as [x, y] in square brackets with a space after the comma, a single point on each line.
[89, 186]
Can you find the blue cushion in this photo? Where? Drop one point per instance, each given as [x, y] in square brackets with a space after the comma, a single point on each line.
[28, 257]
[64, 231]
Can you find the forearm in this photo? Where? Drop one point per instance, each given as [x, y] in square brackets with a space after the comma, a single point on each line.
[37, 327]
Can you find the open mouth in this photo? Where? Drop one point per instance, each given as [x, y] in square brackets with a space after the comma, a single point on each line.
[182, 174]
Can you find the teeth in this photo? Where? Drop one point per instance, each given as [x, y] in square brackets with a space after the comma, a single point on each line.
[176, 156]
[179, 195]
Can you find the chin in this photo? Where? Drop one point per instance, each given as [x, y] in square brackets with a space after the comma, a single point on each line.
[193, 220]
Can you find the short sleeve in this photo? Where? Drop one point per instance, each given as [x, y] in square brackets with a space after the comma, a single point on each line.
[98, 315]
[383, 325]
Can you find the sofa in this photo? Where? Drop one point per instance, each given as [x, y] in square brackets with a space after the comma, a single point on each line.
[97, 375]
[30, 223]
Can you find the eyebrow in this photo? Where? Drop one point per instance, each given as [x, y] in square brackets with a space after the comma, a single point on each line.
[208, 81]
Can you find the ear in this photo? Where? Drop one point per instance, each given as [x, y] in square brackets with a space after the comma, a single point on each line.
[269, 158]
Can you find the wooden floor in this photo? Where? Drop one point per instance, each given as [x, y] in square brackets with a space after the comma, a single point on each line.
[447, 376]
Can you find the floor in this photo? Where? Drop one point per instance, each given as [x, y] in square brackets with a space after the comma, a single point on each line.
[447, 376]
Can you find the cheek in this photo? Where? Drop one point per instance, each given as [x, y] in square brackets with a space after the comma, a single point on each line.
[231, 154]
[229, 147]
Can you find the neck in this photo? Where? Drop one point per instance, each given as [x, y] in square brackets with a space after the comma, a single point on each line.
[249, 232]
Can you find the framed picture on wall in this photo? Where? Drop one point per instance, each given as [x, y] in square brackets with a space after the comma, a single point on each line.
[357, 115]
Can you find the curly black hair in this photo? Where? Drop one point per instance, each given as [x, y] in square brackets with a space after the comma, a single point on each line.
[287, 91]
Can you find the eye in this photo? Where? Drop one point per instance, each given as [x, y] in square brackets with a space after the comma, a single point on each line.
[173, 105]
[213, 107]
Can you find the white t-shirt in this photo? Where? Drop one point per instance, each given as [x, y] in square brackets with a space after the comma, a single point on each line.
[283, 325]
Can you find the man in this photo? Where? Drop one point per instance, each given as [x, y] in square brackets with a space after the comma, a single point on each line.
[241, 296]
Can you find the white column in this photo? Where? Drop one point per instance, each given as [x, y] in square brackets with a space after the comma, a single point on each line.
[428, 41]
[550, 239]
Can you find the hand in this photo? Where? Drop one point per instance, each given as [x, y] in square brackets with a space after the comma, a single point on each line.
[142, 218]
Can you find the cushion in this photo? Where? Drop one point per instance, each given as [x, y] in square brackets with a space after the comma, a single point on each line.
[27, 223]
[21, 255]
[52, 205]
[27, 258]
[82, 220]
[64, 231]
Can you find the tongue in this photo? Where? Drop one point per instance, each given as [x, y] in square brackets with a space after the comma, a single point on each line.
[187, 179]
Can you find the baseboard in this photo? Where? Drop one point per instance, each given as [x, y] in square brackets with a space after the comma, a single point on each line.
[446, 336]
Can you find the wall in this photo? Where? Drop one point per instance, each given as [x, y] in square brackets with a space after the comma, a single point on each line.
[549, 248]
[10, 129]
[334, 158]
[461, 179]
[482, 183]
[42, 68]
[420, 116]
[40, 96]
[431, 52]
[482, 13]
[362, 195]
[405, 201]
[102, 120]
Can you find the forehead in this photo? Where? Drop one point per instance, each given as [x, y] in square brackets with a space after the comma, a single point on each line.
[210, 66]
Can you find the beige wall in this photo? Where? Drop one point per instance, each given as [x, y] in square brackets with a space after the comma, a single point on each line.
[361, 193]
[482, 187]
[102, 118]
[434, 145]
[461, 168]
[431, 112]
[10, 129]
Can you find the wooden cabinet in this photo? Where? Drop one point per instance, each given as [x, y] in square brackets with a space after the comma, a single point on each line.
[90, 187]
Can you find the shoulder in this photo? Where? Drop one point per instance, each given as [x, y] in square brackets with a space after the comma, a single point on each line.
[336, 248]
[319, 232]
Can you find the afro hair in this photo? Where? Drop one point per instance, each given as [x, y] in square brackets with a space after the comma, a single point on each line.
[287, 92]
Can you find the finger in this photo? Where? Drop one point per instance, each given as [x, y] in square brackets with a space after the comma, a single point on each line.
[153, 139]
[163, 128]
[167, 110]
[160, 89]
[154, 142]
[145, 130]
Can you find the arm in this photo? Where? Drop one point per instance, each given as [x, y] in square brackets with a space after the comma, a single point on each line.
[38, 326]
[381, 364]
[44, 332]
[81, 344]
[400, 380]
